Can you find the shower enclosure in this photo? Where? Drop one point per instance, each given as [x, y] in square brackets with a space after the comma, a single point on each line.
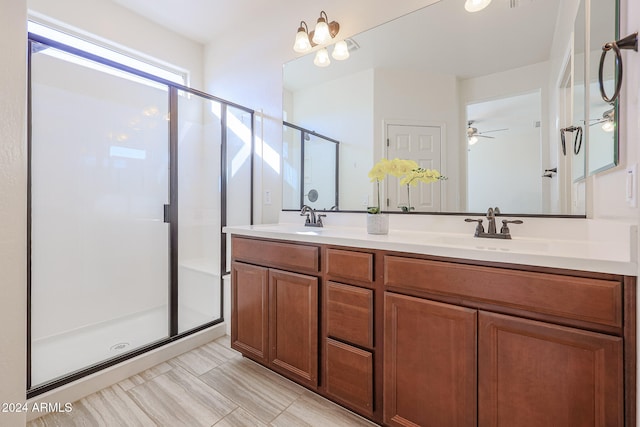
[128, 183]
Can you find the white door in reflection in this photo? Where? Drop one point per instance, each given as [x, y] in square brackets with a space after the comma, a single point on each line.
[423, 145]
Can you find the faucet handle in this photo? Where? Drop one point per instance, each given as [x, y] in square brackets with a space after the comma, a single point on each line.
[319, 219]
[307, 221]
[505, 227]
[479, 227]
[496, 211]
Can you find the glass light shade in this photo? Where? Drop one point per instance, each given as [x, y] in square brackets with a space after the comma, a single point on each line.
[476, 5]
[322, 58]
[473, 139]
[321, 33]
[340, 50]
[608, 126]
[302, 43]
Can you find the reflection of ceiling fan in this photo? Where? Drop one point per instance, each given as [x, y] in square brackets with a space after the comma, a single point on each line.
[473, 134]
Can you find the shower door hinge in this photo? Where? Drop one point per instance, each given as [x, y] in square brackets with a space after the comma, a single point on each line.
[167, 213]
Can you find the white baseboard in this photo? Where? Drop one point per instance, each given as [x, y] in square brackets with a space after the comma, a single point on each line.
[76, 390]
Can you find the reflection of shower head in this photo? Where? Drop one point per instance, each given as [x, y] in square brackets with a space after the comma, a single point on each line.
[307, 137]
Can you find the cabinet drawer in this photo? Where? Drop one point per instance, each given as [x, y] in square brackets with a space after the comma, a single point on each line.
[292, 256]
[349, 312]
[350, 265]
[350, 376]
[581, 299]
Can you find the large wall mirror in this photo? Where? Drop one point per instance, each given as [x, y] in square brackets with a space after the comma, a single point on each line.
[482, 97]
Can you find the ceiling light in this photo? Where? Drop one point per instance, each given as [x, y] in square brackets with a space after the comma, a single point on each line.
[473, 139]
[302, 43]
[609, 123]
[608, 120]
[340, 50]
[322, 58]
[476, 5]
[608, 126]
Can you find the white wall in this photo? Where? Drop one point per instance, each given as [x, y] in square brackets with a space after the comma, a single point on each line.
[13, 207]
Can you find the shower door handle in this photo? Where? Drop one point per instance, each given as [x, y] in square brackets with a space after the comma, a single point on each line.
[167, 213]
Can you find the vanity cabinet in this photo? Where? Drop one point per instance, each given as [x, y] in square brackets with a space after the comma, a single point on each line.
[529, 372]
[275, 312]
[417, 340]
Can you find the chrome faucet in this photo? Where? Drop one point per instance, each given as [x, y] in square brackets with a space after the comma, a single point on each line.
[312, 220]
[491, 232]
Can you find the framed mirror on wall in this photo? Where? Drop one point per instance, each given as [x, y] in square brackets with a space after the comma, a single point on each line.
[441, 64]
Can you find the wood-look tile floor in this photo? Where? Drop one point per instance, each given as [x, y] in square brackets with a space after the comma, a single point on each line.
[212, 385]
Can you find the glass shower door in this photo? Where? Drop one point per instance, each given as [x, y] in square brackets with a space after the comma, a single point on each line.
[99, 183]
[199, 207]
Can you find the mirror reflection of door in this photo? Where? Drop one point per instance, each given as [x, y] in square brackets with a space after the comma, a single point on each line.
[424, 145]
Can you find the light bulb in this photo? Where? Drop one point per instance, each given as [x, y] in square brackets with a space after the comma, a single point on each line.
[302, 43]
[476, 5]
[473, 139]
[322, 58]
[340, 50]
[608, 126]
[321, 33]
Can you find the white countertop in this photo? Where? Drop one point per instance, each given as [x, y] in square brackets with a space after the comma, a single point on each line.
[584, 248]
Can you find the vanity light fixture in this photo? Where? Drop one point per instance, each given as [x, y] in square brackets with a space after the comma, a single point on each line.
[302, 43]
[340, 50]
[324, 30]
[322, 34]
[476, 5]
[322, 58]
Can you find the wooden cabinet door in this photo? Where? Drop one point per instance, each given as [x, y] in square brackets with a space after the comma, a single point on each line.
[250, 311]
[429, 363]
[293, 325]
[537, 374]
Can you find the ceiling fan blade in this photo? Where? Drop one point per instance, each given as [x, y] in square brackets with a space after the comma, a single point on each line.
[485, 136]
[494, 130]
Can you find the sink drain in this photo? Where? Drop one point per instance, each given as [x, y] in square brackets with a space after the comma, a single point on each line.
[120, 346]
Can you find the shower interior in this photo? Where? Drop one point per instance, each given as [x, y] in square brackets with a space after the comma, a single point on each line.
[128, 182]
